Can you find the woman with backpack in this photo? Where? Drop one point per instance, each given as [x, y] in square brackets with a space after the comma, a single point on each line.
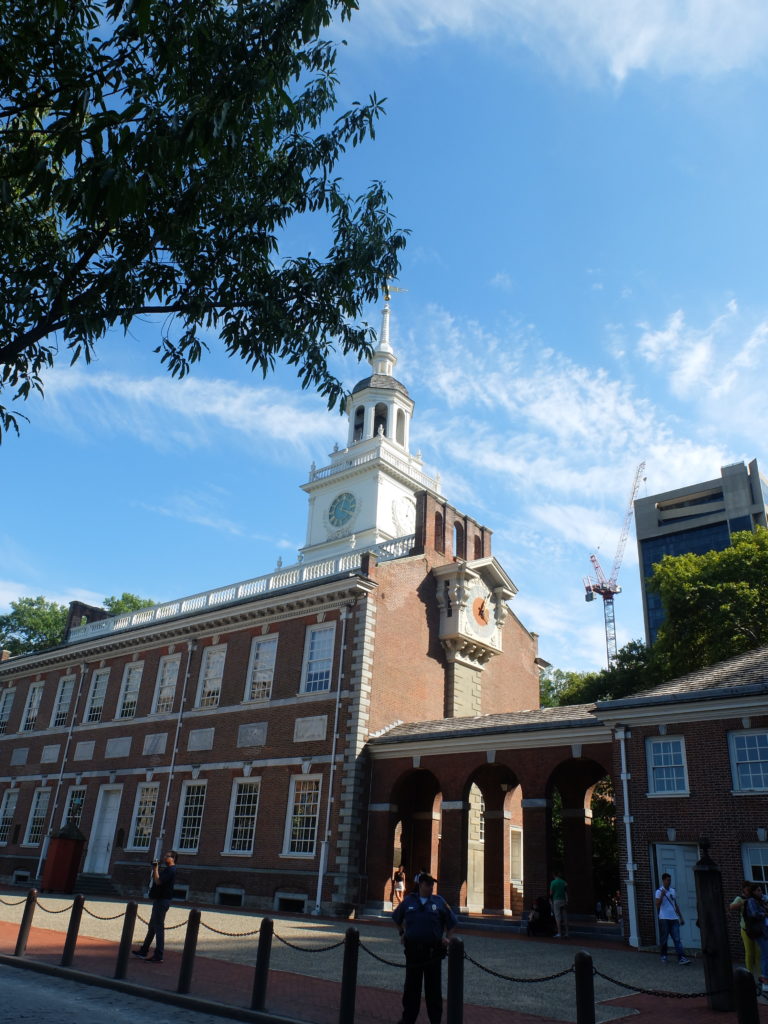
[751, 948]
[755, 927]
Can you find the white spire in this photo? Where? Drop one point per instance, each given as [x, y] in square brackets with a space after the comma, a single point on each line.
[383, 359]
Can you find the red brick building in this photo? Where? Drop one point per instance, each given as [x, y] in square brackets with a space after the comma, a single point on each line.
[232, 725]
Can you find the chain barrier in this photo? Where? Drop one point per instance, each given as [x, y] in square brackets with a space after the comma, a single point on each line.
[101, 917]
[230, 935]
[13, 903]
[523, 981]
[144, 920]
[655, 991]
[47, 910]
[305, 949]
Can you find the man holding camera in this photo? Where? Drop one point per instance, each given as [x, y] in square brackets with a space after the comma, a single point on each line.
[161, 894]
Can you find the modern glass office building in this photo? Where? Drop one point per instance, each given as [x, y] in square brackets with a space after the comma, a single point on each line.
[698, 518]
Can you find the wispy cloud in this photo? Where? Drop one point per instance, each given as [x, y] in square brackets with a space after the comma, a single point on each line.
[207, 512]
[168, 413]
[666, 37]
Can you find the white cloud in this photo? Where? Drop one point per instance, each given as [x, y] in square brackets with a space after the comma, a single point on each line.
[666, 37]
[166, 413]
[11, 590]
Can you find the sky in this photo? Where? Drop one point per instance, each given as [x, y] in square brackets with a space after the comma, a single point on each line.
[584, 182]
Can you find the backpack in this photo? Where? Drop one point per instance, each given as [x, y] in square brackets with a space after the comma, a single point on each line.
[754, 919]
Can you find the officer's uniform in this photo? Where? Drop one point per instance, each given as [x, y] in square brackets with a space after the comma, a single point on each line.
[423, 924]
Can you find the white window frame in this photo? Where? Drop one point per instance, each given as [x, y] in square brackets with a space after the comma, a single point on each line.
[6, 706]
[752, 853]
[652, 742]
[164, 684]
[733, 738]
[209, 684]
[288, 836]
[308, 669]
[239, 786]
[128, 700]
[63, 703]
[7, 813]
[186, 787]
[97, 691]
[32, 707]
[37, 817]
[141, 816]
[72, 792]
[258, 668]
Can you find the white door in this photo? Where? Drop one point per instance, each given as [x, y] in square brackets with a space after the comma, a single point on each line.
[678, 860]
[103, 831]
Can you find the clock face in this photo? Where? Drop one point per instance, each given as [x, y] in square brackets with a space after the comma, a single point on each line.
[481, 612]
[343, 507]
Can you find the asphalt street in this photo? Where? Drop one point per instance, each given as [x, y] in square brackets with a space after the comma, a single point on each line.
[32, 998]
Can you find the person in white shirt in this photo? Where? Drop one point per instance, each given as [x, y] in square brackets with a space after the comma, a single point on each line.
[670, 919]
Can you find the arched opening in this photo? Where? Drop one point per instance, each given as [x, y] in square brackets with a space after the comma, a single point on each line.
[439, 533]
[478, 546]
[459, 546]
[494, 842]
[400, 433]
[359, 424]
[416, 834]
[380, 419]
[583, 835]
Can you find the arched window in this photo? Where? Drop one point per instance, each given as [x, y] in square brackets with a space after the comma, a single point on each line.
[439, 534]
[400, 427]
[478, 546]
[359, 427]
[459, 548]
[380, 419]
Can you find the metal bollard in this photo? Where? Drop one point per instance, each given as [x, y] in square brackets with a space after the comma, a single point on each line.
[259, 996]
[188, 956]
[126, 939]
[585, 988]
[26, 923]
[72, 932]
[745, 989]
[455, 1000]
[349, 977]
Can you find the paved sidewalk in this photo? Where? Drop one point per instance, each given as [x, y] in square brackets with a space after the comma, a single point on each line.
[305, 985]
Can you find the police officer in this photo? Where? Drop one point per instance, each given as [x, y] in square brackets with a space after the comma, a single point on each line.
[426, 923]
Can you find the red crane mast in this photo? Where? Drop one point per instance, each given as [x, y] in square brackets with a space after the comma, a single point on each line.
[608, 588]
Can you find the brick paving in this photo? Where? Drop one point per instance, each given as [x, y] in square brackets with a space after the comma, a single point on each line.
[223, 971]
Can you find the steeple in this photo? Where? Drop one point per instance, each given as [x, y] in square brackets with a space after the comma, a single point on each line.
[383, 359]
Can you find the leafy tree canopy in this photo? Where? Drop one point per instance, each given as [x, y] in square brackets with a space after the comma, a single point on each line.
[633, 670]
[33, 624]
[153, 155]
[716, 604]
[126, 603]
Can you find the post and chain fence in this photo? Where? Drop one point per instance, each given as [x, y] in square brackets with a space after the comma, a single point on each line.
[585, 972]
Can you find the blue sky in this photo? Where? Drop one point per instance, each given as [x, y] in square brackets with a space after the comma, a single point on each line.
[585, 185]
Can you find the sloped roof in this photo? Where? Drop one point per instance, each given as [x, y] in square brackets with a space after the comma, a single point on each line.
[573, 716]
[745, 674]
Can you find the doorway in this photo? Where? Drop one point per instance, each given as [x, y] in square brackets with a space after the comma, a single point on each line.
[103, 831]
[679, 859]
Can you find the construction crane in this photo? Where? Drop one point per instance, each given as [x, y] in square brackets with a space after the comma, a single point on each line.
[608, 588]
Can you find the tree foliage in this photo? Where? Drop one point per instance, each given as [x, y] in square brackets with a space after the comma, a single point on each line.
[635, 668]
[126, 603]
[153, 157]
[715, 604]
[33, 624]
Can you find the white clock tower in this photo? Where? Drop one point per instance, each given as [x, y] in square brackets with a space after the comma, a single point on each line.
[365, 495]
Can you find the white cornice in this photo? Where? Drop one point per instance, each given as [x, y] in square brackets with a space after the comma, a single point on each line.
[751, 705]
[263, 610]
